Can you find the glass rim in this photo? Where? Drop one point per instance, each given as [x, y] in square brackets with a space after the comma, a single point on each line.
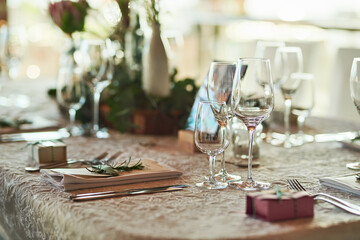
[212, 101]
[223, 63]
[253, 59]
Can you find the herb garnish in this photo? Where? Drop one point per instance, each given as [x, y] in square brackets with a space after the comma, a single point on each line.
[113, 170]
[355, 139]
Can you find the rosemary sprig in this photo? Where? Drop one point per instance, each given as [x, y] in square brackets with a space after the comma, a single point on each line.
[355, 139]
[113, 170]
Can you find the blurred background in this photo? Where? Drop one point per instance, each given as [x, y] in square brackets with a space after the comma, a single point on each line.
[199, 31]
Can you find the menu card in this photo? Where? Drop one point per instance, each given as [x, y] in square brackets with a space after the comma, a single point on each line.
[348, 183]
[70, 179]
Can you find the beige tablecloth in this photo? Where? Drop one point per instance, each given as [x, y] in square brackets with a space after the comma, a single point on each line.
[31, 209]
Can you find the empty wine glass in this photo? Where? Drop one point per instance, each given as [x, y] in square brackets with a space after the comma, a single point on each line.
[71, 91]
[219, 88]
[288, 60]
[252, 101]
[355, 95]
[98, 65]
[211, 137]
[302, 104]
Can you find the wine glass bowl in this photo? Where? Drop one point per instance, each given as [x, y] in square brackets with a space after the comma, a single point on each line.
[252, 102]
[210, 137]
[219, 86]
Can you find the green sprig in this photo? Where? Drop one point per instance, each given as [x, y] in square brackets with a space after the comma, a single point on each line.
[114, 170]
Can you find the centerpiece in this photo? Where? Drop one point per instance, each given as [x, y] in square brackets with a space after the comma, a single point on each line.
[144, 96]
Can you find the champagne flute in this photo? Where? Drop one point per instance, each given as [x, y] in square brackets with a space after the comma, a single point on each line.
[355, 96]
[302, 104]
[98, 66]
[219, 87]
[211, 137]
[71, 92]
[252, 101]
[288, 60]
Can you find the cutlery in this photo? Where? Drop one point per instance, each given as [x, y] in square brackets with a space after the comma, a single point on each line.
[130, 192]
[294, 184]
[34, 136]
[96, 160]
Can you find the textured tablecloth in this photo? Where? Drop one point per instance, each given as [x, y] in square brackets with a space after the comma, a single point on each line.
[31, 209]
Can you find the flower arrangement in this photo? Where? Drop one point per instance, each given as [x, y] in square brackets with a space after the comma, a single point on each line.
[125, 96]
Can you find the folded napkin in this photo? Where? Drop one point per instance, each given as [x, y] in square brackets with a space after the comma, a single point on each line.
[347, 183]
[70, 179]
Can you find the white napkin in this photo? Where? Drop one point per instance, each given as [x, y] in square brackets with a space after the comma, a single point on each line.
[346, 183]
[70, 179]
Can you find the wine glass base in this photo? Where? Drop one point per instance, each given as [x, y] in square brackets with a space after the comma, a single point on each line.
[353, 166]
[212, 185]
[226, 177]
[76, 131]
[102, 133]
[250, 186]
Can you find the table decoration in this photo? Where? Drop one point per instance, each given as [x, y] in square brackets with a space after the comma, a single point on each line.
[279, 205]
[127, 104]
[114, 169]
[69, 179]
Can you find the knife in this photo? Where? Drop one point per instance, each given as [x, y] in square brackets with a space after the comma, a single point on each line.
[34, 136]
[108, 194]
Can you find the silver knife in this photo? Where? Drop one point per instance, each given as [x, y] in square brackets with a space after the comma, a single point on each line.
[34, 136]
[108, 194]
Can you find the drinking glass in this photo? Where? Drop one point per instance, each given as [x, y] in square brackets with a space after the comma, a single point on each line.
[288, 60]
[355, 96]
[97, 61]
[219, 88]
[252, 101]
[211, 137]
[71, 92]
[302, 104]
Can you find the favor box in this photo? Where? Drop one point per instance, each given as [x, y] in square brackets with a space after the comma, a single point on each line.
[186, 141]
[48, 152]
[272, 207]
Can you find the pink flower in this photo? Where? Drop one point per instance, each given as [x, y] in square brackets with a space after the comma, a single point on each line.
[68, 15]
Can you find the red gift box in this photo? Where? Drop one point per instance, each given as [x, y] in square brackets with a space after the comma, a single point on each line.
[272, 207]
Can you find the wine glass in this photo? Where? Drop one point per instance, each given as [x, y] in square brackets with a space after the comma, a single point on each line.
[97, 61]
[302, 104]
[252, 101]
[219, 88]
[211, 137]
[288, 60]
[355, 96]
[71, 92]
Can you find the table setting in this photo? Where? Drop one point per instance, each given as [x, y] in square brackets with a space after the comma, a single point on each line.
[233, 166]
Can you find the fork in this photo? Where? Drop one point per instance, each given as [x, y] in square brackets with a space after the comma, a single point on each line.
[294, 184]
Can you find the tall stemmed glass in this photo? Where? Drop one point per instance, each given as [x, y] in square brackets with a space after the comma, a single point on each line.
[211, 137]
[98, 65]
[288, 60]
[219, 88]
[355, 95]
[252, 102]
[302, 104]
[71, 92]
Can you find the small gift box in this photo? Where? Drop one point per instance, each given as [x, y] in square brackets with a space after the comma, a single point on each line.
[280, 205]
[48, 152]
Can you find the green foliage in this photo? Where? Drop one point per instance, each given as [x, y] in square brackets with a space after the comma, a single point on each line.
[113, 170]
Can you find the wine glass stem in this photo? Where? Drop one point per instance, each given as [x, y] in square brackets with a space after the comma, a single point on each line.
[251, 141]
[223, 169]
[287, 118]
[72, 114]
[96, 109]
[300, 122]
[211, 168]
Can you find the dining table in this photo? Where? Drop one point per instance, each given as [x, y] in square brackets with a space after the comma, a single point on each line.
[30, 208]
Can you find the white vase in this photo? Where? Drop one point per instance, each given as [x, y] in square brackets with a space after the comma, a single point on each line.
[155, 78]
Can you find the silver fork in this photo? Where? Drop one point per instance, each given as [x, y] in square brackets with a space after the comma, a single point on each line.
[294, 184]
